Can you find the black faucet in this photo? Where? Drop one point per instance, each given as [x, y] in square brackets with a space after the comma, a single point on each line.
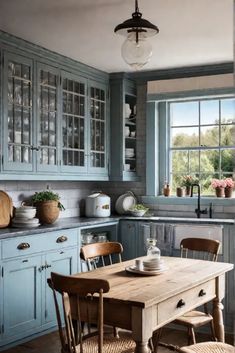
[198, 210]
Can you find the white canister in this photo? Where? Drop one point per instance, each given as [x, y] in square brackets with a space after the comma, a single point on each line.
[98, 205]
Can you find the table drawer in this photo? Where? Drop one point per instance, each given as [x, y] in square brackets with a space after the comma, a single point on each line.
[177, 305]
[27, 245]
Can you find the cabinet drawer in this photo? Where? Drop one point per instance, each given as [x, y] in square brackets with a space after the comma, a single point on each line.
[173, 307]
[27, 245]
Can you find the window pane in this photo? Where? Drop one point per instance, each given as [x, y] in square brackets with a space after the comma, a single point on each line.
[228, 111]
[184, 114]
[227, 135]
[210, 136]
[228, 161]
[193, 162]
[210, 112]
[180, 161]
[185, 137]
[209, 161]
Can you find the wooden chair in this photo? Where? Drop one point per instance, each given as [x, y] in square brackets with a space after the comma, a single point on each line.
[87, 298]
[208, 347]
[105, 251]
[206, 249]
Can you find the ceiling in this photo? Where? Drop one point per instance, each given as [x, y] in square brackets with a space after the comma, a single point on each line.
[191, 32]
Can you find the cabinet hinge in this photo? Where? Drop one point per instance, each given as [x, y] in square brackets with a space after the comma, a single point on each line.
[2, 329]
[46, 313]
[2, 272]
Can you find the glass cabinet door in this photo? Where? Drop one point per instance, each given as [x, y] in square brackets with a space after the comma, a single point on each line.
[97, 161]
[74, 123]
[17, 137]
[47, 121]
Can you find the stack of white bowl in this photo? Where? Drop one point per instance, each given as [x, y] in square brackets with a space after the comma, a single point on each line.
[152, 264]
[25, 217]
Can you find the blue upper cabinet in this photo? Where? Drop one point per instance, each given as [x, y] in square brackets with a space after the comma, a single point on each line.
[124, 124]
[55, 116]
[17, 113]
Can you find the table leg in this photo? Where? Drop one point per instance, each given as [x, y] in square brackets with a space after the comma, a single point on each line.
[142, 347]
[218, 319]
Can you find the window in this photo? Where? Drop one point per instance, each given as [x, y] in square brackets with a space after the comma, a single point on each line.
[201, 140]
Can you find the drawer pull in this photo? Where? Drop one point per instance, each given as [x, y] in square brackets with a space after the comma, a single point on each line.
[23, 246]
[61, 239]
[180, 304]
[201, 293]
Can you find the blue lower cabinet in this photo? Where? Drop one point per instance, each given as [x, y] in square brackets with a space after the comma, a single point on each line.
[64, 262]
[128, 234]
[22, 288]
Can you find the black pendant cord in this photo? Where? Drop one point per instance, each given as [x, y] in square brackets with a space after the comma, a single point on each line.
[136, 6]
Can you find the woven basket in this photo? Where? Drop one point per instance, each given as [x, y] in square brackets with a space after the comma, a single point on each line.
[47, 211]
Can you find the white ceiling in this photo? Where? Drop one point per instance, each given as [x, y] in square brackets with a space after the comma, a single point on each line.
[192, 32]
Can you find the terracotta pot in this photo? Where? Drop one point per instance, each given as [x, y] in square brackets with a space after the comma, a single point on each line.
[188, 191]
[47, 211]
[179, 192]
[228, 192]
[219, 192]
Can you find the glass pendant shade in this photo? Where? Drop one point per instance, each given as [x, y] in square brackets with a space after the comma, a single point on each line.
[136, 54]
[136, 50]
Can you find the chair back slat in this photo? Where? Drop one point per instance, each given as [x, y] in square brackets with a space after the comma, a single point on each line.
[76, 289]
[107, 252]
[201, 248]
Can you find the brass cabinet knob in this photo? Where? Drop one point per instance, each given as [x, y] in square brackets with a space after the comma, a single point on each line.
[23, 246]
[61, 239]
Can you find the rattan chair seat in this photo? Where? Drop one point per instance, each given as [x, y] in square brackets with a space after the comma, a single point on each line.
[194, 318]
[208, 347]
[123, 344]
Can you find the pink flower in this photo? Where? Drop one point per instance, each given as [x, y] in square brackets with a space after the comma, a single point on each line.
[218, 183]
[229, 183]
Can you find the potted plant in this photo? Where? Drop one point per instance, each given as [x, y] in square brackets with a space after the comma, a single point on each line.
[228, 191]
[48, 206]
[188, 181]
[218, 185]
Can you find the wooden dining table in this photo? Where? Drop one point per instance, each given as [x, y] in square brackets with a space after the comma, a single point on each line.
[143, 303]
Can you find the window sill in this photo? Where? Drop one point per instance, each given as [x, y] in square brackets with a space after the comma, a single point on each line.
[174, 200]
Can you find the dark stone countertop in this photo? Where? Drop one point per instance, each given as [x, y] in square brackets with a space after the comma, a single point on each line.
[77, 222]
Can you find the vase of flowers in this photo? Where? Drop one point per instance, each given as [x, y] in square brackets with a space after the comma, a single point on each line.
[218, 185]
[187, 181]
[228, 190]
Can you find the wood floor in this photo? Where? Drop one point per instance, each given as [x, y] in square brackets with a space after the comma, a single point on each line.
[50, 343]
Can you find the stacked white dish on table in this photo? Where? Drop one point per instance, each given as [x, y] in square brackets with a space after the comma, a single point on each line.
[152, 264]
[25, 217]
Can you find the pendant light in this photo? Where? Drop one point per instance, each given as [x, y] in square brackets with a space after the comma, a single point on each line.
[136, 50]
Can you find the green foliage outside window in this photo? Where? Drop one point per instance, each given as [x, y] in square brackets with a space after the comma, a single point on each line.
[203, 151]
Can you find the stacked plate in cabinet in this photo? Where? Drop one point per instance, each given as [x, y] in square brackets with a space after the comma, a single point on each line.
[25, 217]
[129, 153]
